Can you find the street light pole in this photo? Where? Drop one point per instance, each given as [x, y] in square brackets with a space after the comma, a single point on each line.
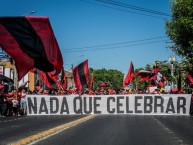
[172, 60]
[30, 13]
[16, 83]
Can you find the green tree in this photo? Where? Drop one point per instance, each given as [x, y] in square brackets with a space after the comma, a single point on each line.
[180, 28]
[148, 67]
[181, 68]
[136, 83]
[165, 68]
[112, 77]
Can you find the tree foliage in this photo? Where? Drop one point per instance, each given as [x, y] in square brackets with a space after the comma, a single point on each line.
[180, 28]
[112, 77]
[165, 70]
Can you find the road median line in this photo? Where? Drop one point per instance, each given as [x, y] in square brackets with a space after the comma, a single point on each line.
[52, 131]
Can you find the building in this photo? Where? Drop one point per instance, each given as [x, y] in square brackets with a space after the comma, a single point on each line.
[7, 69]
[69, 78]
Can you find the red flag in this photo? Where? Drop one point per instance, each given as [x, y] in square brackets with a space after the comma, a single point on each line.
[159, 79]
[22, 86]
[103, 84]
[30, 41]
[1, 86]
[155, 69]
[63, 80]
[48, 81]
[80, 74]
[34, 70]
[190, 78]
[145, 75]
[130, 76]
[53, 76]
[38, 85]
[91, 81]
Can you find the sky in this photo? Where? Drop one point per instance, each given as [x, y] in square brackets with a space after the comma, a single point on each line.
[109, 36]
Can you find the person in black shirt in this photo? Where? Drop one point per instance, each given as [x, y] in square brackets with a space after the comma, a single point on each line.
[3, 102]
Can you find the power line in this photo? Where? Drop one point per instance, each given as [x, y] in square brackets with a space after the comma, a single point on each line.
[30, 13]
[122, 9]
[115, 47]
[111, 2]
[112, 44]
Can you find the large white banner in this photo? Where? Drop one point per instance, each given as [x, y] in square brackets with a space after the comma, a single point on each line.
[138, 104]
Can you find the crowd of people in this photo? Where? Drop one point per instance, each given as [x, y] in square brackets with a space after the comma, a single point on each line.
[13, 103]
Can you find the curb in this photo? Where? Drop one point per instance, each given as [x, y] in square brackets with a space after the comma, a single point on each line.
[52, 131]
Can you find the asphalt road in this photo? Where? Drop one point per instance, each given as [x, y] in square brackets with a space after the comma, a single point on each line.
[102, 130]
[13, 129]
[127, 130]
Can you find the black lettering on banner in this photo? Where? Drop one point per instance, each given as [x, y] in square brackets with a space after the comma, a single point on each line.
[137, 104]
[148, 105]
[127, 106]
[156, 105]
[181, 105]
[96, 105]
[77, 110]
[64, 107]
[32, 106]
[119, 105]
[108, 105]
[85, 105]
[52, 100]
[170, 106]
[43, 106]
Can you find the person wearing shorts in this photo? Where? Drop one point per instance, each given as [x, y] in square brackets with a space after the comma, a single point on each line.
[23, 103]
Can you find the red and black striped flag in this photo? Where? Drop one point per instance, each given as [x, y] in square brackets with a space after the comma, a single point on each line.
[23, 85]
[130, 76]
[145, 75]
[48, 79]
[30, 41]
[80, 74]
